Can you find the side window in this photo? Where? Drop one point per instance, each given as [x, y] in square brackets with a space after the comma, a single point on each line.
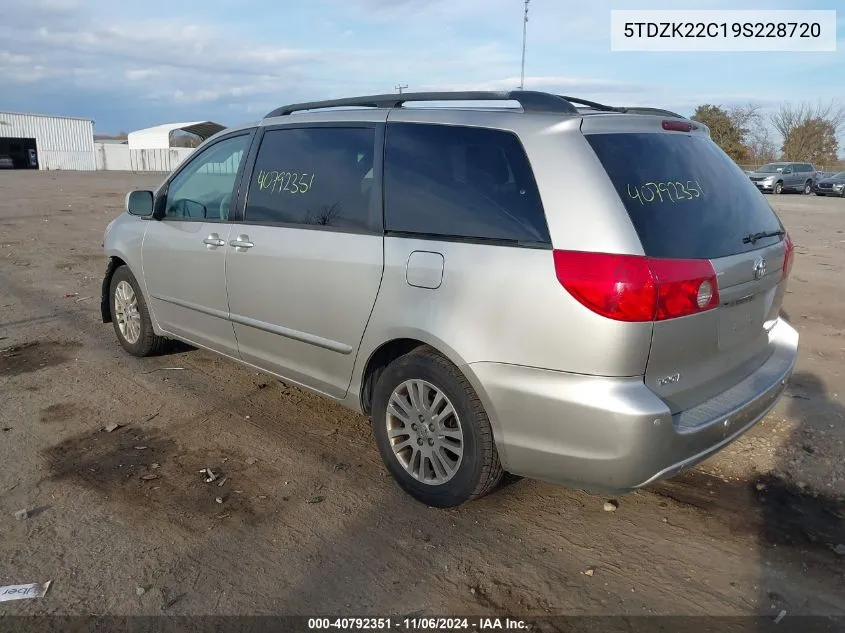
[460, 182]
[203, 190]
[320, 176]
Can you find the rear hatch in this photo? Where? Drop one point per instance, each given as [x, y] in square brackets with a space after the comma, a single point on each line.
[706, 231]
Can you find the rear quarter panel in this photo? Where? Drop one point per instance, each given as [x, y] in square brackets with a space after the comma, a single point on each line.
[504, 304]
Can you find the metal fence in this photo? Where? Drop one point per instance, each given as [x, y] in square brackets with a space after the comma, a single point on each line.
[117, 157]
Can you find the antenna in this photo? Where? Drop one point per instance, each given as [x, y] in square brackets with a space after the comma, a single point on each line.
[400, 87]
[524, 35]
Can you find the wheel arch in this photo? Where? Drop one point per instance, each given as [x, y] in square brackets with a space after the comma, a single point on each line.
[115, 262]
[398, 344]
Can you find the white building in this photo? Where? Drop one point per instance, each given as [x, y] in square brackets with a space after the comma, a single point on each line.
[154, 149]
[161, 136]
[39, 141]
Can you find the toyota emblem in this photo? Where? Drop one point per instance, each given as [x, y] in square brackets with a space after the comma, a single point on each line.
[760, 268]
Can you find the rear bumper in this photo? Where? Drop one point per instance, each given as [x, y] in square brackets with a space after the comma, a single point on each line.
[615, 434]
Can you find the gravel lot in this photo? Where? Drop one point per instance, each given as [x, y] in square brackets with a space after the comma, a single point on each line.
[309, 523]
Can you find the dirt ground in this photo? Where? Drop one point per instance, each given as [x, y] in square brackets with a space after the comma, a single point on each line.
[123, 523]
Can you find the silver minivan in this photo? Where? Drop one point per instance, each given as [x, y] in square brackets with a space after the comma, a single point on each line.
[562, 290]
[782, 177]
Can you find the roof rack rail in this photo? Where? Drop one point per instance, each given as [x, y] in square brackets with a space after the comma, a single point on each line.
[592, 104]
[531, 101]
[638, 110]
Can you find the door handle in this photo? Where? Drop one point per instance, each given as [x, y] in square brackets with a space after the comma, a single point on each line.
[241, 242]
[214, 240]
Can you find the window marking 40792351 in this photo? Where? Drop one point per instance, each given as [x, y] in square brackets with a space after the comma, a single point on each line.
[279, 181]
[649, 192]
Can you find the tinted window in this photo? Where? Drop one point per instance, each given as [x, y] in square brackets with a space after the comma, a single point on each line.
[203, 189]
[460, 182]
[315, 176]
[685, 196]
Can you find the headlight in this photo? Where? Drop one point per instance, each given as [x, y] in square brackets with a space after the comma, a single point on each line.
[769, 179]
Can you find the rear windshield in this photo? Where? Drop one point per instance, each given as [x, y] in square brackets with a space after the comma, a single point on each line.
[685, 196]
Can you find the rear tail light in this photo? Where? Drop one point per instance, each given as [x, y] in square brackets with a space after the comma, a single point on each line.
[638, 288]
[788, 255]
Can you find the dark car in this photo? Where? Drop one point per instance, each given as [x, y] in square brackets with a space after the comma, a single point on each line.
[831, 186]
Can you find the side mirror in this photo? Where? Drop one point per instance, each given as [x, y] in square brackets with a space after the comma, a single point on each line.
[140, 203]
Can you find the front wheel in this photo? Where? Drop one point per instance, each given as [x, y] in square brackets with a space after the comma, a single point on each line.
[778, 188]
[808, 188]
[130, 316]
[432, 431]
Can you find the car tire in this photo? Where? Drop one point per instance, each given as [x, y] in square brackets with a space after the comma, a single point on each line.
[413, 441]
[778, 188]
[808, 188]
[131, 318]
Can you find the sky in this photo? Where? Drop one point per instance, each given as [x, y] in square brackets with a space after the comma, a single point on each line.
[132, 64]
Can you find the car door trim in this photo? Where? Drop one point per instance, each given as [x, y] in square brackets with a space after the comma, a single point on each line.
[220, 314]
[296, 335]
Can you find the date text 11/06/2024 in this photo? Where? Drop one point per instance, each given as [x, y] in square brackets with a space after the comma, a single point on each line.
[417, 624]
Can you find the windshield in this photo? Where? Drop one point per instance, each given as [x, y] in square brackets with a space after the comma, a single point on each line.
[771, 168]
[686, 198]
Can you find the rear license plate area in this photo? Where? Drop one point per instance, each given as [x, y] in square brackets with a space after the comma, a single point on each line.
[741, 321]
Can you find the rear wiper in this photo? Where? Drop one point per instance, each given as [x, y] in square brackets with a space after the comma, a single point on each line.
[751, 238]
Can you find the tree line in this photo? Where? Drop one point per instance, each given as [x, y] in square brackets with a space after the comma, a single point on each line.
[809, 131]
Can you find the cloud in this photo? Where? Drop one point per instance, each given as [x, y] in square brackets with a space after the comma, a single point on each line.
[177, 65]
[141, 74]
[8, 59]
[546, 83]
[235, 59]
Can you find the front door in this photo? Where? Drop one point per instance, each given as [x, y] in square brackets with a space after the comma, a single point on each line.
[184, 250]
[793, 178]
[305, 264]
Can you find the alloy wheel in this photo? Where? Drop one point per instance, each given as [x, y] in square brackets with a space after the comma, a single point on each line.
[425, 432]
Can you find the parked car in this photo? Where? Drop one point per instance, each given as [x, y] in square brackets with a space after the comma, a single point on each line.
[831, 186]
[6, 162]
[780, 177]
[602, 326]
